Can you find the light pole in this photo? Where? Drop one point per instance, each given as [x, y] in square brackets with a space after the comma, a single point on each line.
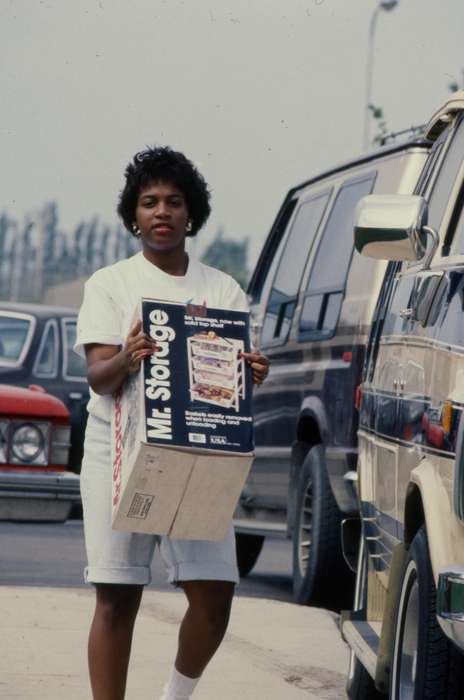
[386, 5]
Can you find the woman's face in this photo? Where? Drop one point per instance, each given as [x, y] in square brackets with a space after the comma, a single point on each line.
[161, 215]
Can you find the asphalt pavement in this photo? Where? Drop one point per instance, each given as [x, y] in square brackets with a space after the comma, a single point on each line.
[53, 555]
[273, 650]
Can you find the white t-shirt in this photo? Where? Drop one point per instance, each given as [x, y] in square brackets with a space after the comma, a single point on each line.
[111, 296]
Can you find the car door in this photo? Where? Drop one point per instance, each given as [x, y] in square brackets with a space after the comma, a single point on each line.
[447, 310]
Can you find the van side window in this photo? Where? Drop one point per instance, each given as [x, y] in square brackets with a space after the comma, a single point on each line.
[326, 284]
[429, 167]
[271, 246]
[443, 185]
[457, 245]
[283, 296]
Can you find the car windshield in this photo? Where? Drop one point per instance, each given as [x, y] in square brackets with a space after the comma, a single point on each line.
[14, 333]
[75, 366]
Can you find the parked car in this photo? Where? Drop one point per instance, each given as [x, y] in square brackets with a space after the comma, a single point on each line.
[406, 632]
[36, 344]
[311, 300]
[34, 446]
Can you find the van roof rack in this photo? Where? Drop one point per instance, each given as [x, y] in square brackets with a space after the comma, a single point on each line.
[411, 132]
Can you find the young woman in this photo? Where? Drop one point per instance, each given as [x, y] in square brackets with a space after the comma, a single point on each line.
[164, 200]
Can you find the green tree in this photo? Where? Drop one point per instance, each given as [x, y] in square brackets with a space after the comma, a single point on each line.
[381, 123]
[229, 256]
[50, 242]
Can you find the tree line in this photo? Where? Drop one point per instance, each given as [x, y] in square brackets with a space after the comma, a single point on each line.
[37, 254]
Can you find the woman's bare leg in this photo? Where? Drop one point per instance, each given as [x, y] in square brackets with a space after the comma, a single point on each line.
[110, 639]
[204, 624]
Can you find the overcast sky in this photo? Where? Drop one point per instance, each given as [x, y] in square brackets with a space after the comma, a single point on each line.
[261, 94]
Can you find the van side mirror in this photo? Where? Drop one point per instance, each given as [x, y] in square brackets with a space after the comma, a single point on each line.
[391, 227]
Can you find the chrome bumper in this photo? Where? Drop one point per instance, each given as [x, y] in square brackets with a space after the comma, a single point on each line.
[45, 485]
[450, 605]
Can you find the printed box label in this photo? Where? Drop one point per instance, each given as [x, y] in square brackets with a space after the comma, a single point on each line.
[197, 383]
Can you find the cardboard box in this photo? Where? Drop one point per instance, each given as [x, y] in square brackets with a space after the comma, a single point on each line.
[182, 430]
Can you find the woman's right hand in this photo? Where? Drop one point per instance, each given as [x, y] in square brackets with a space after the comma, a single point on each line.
[109, 365]
[138, 345]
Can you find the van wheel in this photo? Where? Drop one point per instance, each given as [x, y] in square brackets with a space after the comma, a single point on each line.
[248, 550]
[320, 574]
[424, 662]
[360, 685]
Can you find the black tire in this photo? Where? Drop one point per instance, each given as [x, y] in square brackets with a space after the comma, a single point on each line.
[436, 669]
[360, 685]
[248, 550]
[320, 573]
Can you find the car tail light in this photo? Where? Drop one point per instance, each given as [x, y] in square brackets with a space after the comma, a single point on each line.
[347, 356]
[358, 397]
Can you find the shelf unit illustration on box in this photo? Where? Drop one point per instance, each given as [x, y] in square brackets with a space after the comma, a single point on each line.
[216, 373]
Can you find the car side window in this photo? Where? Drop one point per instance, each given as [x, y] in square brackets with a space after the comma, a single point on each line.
[46, 364]
[326, 284]
[282, 299]
[74, 366]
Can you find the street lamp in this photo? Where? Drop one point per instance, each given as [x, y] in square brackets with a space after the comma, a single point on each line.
[386, 5]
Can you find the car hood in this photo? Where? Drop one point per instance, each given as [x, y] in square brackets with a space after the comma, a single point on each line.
[16, 401]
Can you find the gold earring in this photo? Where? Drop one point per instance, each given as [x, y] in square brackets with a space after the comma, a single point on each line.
[189, 226]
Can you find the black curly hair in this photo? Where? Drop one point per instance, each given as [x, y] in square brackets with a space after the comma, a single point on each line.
[163, 163]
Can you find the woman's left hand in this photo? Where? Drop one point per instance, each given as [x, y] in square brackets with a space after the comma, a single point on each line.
[258, 363]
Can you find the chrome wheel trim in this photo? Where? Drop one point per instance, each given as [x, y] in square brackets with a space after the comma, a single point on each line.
[406, 638]
[359, 595]
[408, 662]
[305, 527]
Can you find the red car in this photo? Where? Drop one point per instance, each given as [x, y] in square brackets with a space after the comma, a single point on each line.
[34, 449]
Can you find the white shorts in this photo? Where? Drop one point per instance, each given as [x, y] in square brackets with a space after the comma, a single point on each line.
[123, 557]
